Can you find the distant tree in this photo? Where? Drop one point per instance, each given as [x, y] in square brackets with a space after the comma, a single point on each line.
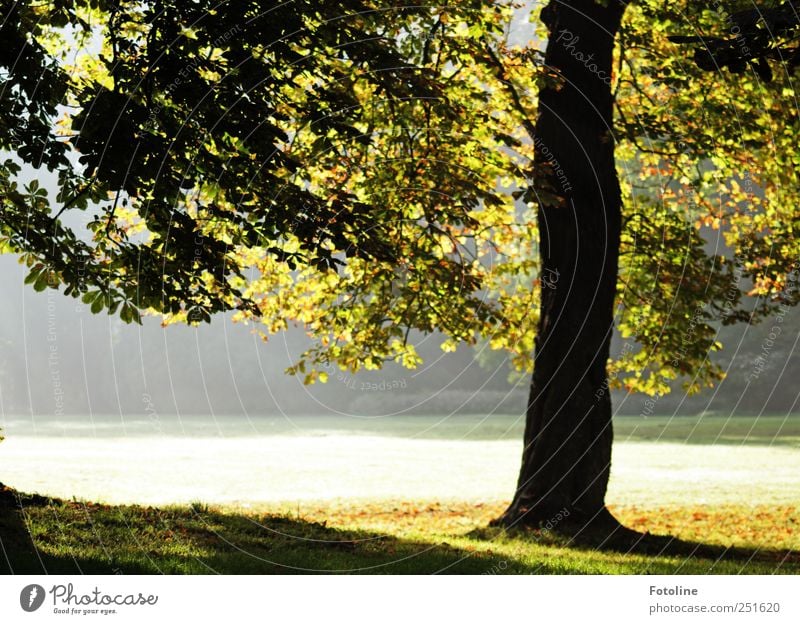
[365, 169]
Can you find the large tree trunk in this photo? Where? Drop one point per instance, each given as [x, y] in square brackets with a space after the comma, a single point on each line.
[567, 453]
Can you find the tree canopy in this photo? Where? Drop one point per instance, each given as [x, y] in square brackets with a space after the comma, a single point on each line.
[366, 168]
[223, 153]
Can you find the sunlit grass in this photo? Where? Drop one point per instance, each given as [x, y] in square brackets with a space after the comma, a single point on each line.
[412, 495]
[377, 537]
[757, 527]
[258, 469]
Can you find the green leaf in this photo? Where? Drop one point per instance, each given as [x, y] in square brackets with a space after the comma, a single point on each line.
[90, 296]
[41, 281]
[97, 305]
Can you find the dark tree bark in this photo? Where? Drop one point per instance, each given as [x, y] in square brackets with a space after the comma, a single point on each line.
[567, 453]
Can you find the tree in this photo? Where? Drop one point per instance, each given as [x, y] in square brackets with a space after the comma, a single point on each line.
[567, 445]
[370, 168]
[567, 452]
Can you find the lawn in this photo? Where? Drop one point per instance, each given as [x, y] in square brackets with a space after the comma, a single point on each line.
[704, 429]
[401, 495]
[657, 461]
[41, 535]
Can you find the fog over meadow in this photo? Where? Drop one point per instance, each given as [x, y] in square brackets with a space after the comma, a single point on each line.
[58, 359]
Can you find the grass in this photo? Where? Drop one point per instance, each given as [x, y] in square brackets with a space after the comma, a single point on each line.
[705, 429]
[647, 470]
[39, 534]
[710, 429]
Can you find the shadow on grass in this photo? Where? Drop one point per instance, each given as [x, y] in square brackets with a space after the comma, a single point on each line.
[624, 540]
[40, 535]
[610, 536]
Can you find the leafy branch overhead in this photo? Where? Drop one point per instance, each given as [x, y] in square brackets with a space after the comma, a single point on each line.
[366, 169]
[755, 36]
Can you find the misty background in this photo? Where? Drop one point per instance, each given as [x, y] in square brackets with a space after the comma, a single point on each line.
[57, 359]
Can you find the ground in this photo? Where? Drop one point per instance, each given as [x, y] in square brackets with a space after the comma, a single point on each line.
[433, 537]
[726, 490]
